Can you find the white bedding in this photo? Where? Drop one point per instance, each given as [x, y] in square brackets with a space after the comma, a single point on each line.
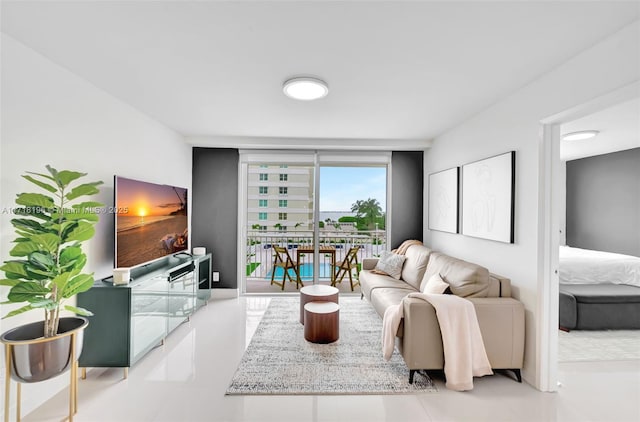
[584, 266]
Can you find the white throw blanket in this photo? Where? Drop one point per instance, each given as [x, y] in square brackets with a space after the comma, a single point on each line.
[464, 353]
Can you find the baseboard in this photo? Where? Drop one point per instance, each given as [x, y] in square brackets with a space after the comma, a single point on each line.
[224, 293]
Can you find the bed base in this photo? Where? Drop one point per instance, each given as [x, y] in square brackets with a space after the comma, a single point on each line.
[599, 307]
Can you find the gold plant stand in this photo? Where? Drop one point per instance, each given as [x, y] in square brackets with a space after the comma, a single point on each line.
[39, 359]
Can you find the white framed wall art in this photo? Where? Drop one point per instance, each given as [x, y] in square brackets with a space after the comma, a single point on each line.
[488, 198]
[443, 200]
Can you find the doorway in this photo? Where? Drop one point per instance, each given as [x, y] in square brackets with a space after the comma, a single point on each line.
[552, 183]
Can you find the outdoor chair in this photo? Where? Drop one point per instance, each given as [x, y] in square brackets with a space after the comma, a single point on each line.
[282, 259]
[346, 267]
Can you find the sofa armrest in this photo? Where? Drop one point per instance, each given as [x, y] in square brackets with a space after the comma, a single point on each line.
[369, 263]
[421, 345]
[501, 321]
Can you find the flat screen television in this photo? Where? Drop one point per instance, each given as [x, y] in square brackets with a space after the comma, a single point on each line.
[151, 221]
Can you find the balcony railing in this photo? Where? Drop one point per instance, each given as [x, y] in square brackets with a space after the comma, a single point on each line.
[260, 255]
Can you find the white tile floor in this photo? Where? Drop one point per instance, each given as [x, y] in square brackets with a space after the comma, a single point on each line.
[185, 380]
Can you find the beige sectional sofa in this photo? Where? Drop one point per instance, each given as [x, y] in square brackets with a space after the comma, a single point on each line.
[501, 318]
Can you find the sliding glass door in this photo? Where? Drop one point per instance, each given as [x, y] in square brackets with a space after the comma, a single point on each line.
[279, 214]
[352, 214]
[285, 193]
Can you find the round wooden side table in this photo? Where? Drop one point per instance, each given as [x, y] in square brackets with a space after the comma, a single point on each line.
[316, 293]
[321, 322]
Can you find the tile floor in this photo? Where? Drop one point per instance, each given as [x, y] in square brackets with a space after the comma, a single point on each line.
[185, 380]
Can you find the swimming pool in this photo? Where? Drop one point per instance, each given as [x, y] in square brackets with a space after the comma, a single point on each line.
[306, 272]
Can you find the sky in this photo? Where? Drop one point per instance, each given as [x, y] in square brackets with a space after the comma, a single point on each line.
[142, 198]
[340, 187]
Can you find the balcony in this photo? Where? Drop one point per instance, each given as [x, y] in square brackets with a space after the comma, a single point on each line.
[299, 243]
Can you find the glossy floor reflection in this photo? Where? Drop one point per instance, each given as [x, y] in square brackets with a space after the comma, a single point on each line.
[185, 380]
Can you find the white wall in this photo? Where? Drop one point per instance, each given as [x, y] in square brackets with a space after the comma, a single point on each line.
[513, 124]
[51, 116]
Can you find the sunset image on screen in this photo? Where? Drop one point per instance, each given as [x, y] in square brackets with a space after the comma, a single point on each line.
[151, 221]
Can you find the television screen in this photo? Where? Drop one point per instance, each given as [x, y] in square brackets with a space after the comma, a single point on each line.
[151, 221]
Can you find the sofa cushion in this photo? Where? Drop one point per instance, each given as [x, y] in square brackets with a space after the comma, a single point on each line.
[435, 285]
[382, 298]
[465, 279]
[391, 264]
[415, 265]
[370, 281]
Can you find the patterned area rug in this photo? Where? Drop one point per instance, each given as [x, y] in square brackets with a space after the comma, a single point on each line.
[279, 361]
[585, 345]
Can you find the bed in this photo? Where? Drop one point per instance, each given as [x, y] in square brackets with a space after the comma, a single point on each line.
[585, 266]
[598, 290]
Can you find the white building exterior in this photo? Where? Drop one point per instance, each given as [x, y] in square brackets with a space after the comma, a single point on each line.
[280, 197]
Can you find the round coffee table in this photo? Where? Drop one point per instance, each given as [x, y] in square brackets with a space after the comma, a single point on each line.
[321, 322]
[316, 293]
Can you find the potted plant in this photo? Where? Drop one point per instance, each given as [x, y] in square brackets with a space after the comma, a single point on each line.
[46, 270]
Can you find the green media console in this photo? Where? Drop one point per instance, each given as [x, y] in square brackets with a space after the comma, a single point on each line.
[129, 320]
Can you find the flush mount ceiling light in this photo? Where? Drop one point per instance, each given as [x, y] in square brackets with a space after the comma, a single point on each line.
[580, 135]
[305, 88]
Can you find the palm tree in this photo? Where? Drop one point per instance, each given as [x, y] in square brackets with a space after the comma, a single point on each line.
[368, 210]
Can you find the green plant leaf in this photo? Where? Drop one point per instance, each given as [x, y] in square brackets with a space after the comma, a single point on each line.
[37, 212]
[43, 185]
[61, 281]
[87, 216]
[78, 284]
[58, 216]
[84, 231]
[25, 236]
[34, 273]
[27, 291]
[24, 248]
[37, 200]
[8, 282]
[88, 205]
[48, 241]
[64, 228]
[18, 311]
[56, 227]
[47, 304]
[28, 225]
[78, 311]
[75, 265]
[70, 253]
[64, 177]
[14, 267]
[41, 261]
[72, 257]
[46, 176]
[85, 189]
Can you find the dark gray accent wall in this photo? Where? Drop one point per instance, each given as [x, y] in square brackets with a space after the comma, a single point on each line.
[407, 176]
[214, 222]
[603, 202]
[215, 205]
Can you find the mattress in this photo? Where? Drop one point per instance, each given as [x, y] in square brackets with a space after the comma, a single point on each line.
[585, 266]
